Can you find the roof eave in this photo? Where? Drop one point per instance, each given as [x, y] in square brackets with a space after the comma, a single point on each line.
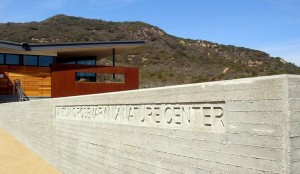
[59, 46]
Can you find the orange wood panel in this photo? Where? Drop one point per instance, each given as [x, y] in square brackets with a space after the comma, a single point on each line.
[64, 82]
[59, 81]
[3, 80]
[36, 81]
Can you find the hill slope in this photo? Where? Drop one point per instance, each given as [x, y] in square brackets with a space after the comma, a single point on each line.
[164, 60]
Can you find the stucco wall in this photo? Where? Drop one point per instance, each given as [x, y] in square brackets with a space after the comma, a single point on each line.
[238, 126]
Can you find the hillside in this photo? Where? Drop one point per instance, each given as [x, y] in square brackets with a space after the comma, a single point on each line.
[164, 60]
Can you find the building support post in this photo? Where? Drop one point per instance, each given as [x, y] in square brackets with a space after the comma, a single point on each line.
[114, 61]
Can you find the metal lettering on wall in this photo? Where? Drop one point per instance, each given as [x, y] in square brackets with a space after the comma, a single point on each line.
[202, 116]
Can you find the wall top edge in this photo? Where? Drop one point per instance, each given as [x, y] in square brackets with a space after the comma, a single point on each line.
[203, 85]
[242, 81]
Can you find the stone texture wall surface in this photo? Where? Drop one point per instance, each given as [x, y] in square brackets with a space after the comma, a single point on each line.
[249, 125]
[294, 123]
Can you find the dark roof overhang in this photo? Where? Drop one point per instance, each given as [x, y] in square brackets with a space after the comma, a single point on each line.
[76, 48]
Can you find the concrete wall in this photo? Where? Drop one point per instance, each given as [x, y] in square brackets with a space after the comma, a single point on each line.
[238, 126]
[294, 123]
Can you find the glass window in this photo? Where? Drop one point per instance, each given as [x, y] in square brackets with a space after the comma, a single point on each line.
[70, 62]
[12, 59]
[77, 60]
[1, 59]
[45, 60]
[87, 62]
[85, 77]
[30, 60]
[99, 77]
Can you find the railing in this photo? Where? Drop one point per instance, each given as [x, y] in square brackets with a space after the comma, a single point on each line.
[18, 86]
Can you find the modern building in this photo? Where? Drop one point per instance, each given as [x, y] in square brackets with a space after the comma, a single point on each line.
[64, 69]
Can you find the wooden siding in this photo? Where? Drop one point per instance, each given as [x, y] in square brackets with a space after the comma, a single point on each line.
[59, 80]
[3, 80]
[64, 81]
[36, 81]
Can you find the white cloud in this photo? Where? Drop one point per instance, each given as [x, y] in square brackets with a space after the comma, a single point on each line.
[290, 51]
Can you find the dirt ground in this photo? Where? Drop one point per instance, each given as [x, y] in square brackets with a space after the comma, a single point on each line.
[15, 158]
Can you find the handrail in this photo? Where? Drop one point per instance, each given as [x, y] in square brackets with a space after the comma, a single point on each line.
[17, 85]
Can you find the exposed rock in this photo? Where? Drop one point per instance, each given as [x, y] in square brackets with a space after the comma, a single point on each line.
[225, 70]
[283, 61]
[251, 63]
[182, 42]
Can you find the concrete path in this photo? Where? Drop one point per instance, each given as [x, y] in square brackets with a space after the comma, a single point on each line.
[15, 158]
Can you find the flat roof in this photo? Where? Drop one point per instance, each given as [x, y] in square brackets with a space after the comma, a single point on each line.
[102, 48]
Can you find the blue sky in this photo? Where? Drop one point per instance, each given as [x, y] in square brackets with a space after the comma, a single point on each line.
[272, 26]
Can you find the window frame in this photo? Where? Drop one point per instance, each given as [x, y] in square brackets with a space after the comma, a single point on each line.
[3, 59]
[18, 56]
[22, 60]
[39, 62]
[36, 62]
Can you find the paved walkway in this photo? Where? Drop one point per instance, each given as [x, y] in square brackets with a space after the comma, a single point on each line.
[15, 158]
